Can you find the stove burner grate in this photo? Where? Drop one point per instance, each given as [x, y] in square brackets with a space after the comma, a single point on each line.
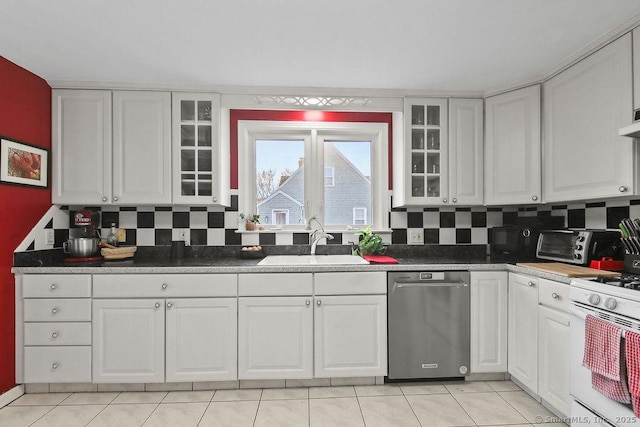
[629, 281]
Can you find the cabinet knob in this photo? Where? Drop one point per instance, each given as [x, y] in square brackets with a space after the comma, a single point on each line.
[104, 199]
[53, 286]
[215, 200]
[444, 200]
[454, 200]
[164, 286]
[622, 189]
[319, 303]
[54, 310]
[534, 198]
[157, 305]
[307, 302]
[169, 305]
[555, 296]
[115, 199]
[530, 283]
[54, 335]
[54, 366]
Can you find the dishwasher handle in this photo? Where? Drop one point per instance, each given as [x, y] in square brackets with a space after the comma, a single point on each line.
[439, 284]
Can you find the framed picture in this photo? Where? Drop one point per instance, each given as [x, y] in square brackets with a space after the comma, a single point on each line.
[23, 164]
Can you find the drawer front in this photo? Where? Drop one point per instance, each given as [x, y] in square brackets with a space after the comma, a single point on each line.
[269, 284]
[554, 294]
[164, 285]
[57, 333]
[57, 364]
[356, 283]
[56, 286]
[57, 310]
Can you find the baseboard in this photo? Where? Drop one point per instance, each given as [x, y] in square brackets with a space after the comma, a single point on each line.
[11, 395]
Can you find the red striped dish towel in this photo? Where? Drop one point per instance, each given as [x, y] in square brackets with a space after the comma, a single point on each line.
[632, 352]
[602, 357]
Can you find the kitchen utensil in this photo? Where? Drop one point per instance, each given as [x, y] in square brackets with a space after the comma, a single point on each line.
[81, 246]
[623, 230]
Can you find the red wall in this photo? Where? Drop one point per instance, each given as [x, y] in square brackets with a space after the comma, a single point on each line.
[25, 115]
[302, 116]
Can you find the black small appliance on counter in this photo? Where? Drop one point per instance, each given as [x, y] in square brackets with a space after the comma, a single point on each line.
[518, 241]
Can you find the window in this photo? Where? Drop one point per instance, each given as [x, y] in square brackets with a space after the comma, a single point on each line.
[359, 216]
[292, 171]
[280, 216]
[329, 176]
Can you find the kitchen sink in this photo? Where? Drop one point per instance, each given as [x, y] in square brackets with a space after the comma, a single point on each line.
[312, 260]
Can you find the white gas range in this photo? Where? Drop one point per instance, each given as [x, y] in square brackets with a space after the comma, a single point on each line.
[615, 300]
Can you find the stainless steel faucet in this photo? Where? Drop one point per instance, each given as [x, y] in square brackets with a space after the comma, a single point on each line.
[315, 237]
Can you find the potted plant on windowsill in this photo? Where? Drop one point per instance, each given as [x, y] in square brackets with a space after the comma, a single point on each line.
[369, 243]
[251, 221]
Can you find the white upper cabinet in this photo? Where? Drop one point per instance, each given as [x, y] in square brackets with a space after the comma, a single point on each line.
[439, 161]
[100, 158]
[584, 107]
[512, 147]
[466, 151]
[636, 70]
[81, 149]
[141, 147]
[200, 164]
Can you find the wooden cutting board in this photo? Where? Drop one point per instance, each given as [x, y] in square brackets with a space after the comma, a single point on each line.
[566, 269]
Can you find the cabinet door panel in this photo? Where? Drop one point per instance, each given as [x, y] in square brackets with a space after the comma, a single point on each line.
[554, 359]
[275, 338]
[350, 334]
[466, 151]
[81, 147]
[489, 321]
[523, 330]
[512, 147]
[141, 147]
[584, 107]
[201, 339]
[128, 341]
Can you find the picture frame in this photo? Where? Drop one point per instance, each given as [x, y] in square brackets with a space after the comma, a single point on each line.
[23, 164]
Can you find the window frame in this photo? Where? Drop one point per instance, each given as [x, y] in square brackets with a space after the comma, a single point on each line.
[313, 133]
[273, 216]
[332, 176]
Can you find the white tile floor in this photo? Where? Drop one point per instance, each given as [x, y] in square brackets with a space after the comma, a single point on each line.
[482, 403]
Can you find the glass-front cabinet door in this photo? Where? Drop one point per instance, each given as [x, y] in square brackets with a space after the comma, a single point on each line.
[197, 166]
[426, 144]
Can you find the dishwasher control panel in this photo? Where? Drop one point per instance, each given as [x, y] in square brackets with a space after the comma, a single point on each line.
[432, 276]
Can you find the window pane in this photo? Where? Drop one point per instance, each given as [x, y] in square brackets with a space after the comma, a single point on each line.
[351, 163]
[280, 181]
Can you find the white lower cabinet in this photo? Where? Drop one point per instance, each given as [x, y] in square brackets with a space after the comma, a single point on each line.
[128, 340]
[289, 334]
[489, 302]
[523, 330]
[195, 338]
[201, 342]
[350, 335]
[553, 352]
[275, 337]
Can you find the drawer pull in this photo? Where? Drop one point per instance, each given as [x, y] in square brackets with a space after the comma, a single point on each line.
[319, 303]
[308, 302]
[555, 296]
[53, 286]
[55, 310]
[530, 283]
[164, 286]
[157, 305]
[54, 335]
[54, 366]
[169, 305]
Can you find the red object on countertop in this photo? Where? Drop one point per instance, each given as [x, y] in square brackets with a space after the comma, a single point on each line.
[607, 264]
[380, 259]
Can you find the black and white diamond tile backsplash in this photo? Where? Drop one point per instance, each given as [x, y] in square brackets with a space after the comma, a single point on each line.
[216, 226]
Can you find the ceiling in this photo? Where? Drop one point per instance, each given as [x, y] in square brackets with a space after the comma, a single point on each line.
[420, 45]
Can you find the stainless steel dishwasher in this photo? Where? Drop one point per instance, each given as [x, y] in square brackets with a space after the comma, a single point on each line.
[428, 321]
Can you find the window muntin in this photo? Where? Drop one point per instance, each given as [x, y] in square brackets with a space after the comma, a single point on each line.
[314, 135]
